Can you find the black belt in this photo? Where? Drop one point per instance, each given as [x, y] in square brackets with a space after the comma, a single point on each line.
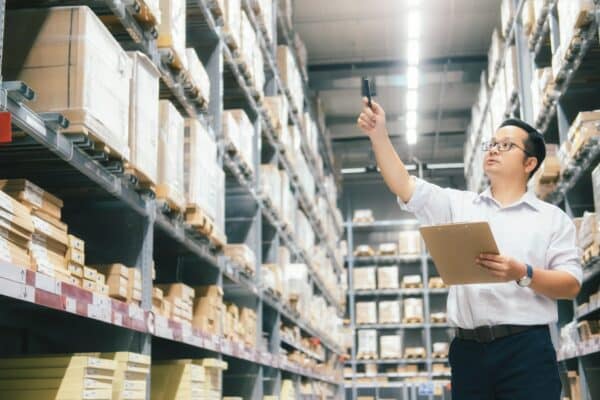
[487, 334]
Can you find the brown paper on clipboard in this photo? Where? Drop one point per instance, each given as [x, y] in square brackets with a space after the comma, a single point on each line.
[454, 248]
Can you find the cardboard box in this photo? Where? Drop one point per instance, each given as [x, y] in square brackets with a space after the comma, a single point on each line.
[170, 183]
[409, 242]
[589, 232]
[366, 312]
[271, 274]
[242, 255]
[29, 197]
[197, 75]
[364, 278]
[76, 243]
[387, 277]
[232, 22]
[143, 117]
[238, 129]
[585, 126]
[290, 75]
[367, 343]
[248, 322]
[76, 68]
[270, 183]
[113, 269]
[389, 312]
[277, 109]
[172, 28]
[413, 309]
[200, 160]
[75, 256]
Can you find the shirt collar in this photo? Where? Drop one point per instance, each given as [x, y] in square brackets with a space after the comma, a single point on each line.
[528, 198]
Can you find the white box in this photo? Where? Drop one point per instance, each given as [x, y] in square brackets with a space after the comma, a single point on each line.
[413, 308]
[366, 312]
[290, 75]
[143, 116]
[172, 28]
[364, 278]
[198, 74]
[367, 342]
[243, 138]
[76, 68]
[387, 277]
[232, 19]
[409, 243]
[391, 346]
[288, 202]
[201, 180]
[170, 155]
[389, 312]
[270, 182]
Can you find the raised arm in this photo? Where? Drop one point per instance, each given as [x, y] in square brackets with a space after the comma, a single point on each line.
[372, 122]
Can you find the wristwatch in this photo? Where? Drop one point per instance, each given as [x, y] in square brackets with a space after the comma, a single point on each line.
[526, 280]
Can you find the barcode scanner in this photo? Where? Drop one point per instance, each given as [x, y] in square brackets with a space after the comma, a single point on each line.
[368, 89]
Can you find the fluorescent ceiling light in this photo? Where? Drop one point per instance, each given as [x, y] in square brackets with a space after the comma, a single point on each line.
[412, 52]
[354, 170]
[411, 120]
[446, 166]
[413, 24]
[411, 136]
[411, 167]
[412, 100]
[412, 77]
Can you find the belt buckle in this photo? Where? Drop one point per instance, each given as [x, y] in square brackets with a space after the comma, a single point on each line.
[484, 334]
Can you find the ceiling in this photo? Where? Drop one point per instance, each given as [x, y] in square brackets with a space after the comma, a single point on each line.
[348, 39]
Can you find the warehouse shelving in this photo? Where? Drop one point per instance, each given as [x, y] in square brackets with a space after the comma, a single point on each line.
[422, 263]
[572, 89]
[160, 228]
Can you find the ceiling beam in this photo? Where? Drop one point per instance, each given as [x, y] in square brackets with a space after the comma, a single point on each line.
[433, 114]
[350, 139]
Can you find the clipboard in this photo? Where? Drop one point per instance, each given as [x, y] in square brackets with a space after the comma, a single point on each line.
[454, 248]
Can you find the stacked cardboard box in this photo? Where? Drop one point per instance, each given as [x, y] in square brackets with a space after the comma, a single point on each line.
[409, 242]
[143, 118]
[305, 177]
[367, 344]
[16, 229]
[387, 277]
[187, 379]
[204, 179]
[277, 109]
[249, 324]
[239, 133]
[270, 183]
[366, 312]
[363, 217]
[272, 278]
[232, 328]
[413, 310]
[585, 127]
[132, 371]
[76, 68]
[170, 185]
[572, 16]
[181, 297]
[389, 312]
[123, 283]
[364, 278]
[304, 232]
[251, 54]
[158, 303]
[242, 255]
[547, 175]
[208, 309]
[197, 76]
[589, 231]
[172, 30]
[411, 282]
[391, 346]
[288, 201]
[57, 377]
[296, 287]
[290, 75]
[232, 23]
[264, 13]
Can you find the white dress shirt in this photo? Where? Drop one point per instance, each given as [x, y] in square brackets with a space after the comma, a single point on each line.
[530, 231]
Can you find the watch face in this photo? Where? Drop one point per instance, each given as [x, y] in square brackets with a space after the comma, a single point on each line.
[526, 281]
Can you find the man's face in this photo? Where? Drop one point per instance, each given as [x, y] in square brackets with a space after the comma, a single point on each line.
[508, 163]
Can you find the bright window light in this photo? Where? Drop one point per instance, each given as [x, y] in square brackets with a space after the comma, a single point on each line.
[411, 136]
[411, 120]
[412, 77]
[412, 52]
[413, 24]
[412, 100]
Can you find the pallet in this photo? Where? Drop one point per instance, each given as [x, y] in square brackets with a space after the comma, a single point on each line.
[391, 356]
[412, 320]
[140, 179]
[389, 322]
[364, 251]
[439, 319]
[217, 238]
[85, 138]
[164, 193]
[387, 253]
[367, 356]
[590, 253]
[192, 91]
[437, 283]
[144, 14]
[364, 221]
[230, 40]
[274, 293]
[199, 220]
[415, 353]
[411, 286]
[439, 354]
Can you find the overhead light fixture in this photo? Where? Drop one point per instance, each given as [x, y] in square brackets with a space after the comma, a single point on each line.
[411, 167]
[411, 120]
[413, 24]
[412, 99]
[346, 171]
[412, 52]
[446, 166]
[412, 77]
[411, 136]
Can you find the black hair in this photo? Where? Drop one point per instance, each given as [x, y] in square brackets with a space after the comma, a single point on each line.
[534, 145]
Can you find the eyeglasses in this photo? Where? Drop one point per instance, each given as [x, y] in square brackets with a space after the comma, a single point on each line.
[502, 146]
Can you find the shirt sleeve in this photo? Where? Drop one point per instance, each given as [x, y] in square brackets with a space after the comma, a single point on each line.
[430, 203]
[563, 253]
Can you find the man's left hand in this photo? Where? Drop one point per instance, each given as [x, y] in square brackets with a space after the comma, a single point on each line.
[503, 267]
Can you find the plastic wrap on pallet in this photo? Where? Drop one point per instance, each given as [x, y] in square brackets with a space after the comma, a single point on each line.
[172, 28]
[312, 133]
[364, 278]
[143, 118]
[288, 202]
[391, 346]
[366, 312]
[201, 177]
[170, 150]
[76, 68]
[240, 131]
[409, 242]
[387, 277]
[413, 308]
[367, 343]
[306, 178]
[290, 74]
[198, 75]
[304, 232]
[297, 288]
[389, 312]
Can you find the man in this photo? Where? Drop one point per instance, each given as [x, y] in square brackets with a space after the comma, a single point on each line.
[502, 349]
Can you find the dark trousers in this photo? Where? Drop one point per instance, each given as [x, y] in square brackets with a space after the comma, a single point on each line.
[517, 367]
